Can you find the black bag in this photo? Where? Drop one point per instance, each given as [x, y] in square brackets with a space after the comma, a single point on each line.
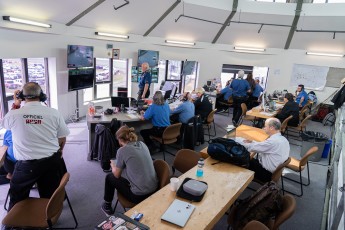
[228, 150]
[262, 205]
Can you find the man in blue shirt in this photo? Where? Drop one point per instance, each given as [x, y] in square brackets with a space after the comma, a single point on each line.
[301, 96]
[185, 110]
[239, 88]
[145, 82]
[223, 96]
[159, 114]
[256, 93]
[10, 160]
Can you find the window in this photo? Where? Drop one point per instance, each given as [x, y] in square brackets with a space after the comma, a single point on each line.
[174, 70]
[37, 72]
[102, 70]
[119, 75]
[190, 79]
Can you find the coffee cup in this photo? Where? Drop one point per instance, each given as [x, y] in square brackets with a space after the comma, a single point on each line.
[174, 183]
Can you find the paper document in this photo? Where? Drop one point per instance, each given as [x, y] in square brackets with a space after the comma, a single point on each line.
[267, 114]
[133, 116]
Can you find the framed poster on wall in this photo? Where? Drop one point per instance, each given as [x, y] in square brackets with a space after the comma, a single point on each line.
[134, 74]
[116, 53]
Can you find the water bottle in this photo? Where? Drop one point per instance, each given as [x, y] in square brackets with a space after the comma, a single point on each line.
[91, 109]
[200, 169]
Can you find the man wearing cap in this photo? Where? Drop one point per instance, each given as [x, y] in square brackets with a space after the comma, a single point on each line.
[239, 88]
[203, 106]
[39, 135]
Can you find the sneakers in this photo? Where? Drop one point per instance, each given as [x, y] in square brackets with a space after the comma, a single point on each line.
[107, 209]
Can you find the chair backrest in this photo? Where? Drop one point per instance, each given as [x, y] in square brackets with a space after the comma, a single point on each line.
[210, 116]
[244, 109]
[172, 131]
[185, 159]
[3, 150]
[304, 122]
[302, 114]
[285, 123]
[279, 170]
[255, 225]
[304, 159]
[162, 171]
[55, 204]
[288, 209]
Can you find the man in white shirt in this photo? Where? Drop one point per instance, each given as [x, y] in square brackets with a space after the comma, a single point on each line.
[271, 153]
[39, 135]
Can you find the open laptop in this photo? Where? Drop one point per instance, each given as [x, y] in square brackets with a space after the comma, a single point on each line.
[178, 212]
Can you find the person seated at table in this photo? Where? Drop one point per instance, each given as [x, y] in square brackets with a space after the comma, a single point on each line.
[9, 160]
[301, 96]
[159, 114]
[185, 111]
[256, 93]
[223, 97]
[202, 104]
[133, 174]
[271, 153]
[290, 108]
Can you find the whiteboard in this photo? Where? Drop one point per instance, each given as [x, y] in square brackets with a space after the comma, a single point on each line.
[312, 77]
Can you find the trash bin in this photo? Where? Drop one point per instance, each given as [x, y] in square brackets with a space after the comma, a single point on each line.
[310, 139]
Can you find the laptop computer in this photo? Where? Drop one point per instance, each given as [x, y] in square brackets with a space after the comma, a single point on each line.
[178, 212]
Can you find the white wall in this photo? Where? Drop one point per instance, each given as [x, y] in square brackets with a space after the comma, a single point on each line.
[20, 44]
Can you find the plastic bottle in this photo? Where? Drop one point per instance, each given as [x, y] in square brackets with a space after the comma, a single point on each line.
[91, 109]
[200, 169]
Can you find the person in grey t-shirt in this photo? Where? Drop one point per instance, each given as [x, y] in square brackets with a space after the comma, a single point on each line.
[133, 174]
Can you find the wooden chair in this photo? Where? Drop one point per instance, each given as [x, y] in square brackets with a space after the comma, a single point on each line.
[302, 114]
[288, 209]
[284, 124]
[209, 121]
[163, 174]
[298, 166]
[244, 116]
[255, 225]
[228, 104]
[185, 159]
[169, 136]
[307, 106]
[40, 212]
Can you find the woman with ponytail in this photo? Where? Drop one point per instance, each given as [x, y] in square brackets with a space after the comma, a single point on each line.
[133, 174]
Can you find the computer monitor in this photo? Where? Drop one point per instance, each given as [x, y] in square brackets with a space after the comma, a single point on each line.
[122, 92]
[118, 101]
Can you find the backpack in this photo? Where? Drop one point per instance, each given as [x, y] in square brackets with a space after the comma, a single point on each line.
[329, 119]
[321, 113]
[228, 150]
[262, 205]
[312, 97]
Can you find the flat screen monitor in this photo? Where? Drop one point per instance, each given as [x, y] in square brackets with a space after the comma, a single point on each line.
[79, 56]
[80, 78]
[149, 56]
[118, 101]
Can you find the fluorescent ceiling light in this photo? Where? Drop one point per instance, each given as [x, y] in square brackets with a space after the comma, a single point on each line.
[27, 22]
[112, 35]
[249, 49]
[180, 43]
[325, 54]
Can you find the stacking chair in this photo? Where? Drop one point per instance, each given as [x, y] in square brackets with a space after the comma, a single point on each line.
[284, 124]
[169, 136]
[277, 174]
[185, 159]
[228, 104]
[40, 212]
[244, 116]
[163, 174]
[298, 166]
[209, 121]
[302, 114]
[288, 209]
[255, 225]
[300, 128]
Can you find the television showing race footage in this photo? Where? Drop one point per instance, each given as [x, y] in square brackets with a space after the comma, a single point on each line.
[79, 56]
[149, 56]
[80, 78]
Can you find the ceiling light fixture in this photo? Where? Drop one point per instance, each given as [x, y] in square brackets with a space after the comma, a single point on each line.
[249, 49]
[180, 43]
[325, 54]
[112, 35]
[27, 22]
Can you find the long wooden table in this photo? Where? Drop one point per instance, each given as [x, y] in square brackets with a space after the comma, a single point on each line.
[247, 132]
[264, 115]
[225, 183]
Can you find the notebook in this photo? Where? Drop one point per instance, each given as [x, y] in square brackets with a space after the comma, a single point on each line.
[178, 212]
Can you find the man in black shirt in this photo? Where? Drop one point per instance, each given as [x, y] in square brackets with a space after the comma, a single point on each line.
[290, 108]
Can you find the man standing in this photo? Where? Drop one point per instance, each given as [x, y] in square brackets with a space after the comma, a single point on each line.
[145, 82]
[239, 88]
[39, 135]
[271, 153]
[301, 96]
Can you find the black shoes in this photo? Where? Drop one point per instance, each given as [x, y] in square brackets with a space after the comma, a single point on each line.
[107, 209]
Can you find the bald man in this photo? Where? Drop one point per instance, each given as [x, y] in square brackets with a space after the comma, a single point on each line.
[271, 153]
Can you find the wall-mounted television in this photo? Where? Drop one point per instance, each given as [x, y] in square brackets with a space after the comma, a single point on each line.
[79, 56]
[149, 56]
[80, 78]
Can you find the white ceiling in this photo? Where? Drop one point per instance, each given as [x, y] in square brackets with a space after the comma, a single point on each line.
[138, 16]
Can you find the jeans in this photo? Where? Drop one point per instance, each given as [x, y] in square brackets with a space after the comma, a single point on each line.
[261, 173]
[237, 107]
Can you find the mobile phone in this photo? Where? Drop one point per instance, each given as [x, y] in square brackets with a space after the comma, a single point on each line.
[138, 217]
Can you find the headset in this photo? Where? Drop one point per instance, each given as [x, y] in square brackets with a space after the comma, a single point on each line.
[42, 96]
